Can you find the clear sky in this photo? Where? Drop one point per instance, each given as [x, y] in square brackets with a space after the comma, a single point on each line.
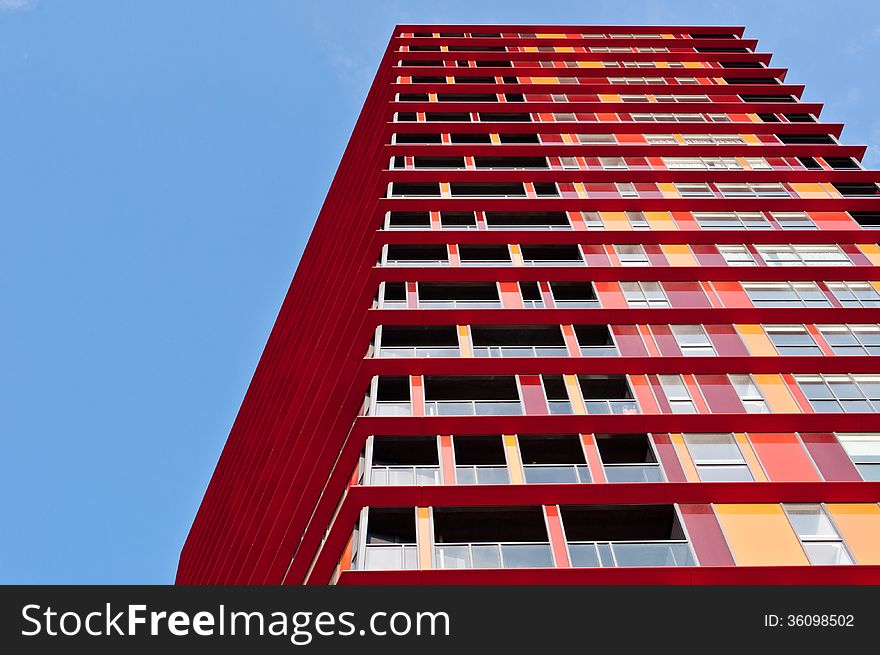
[161, 165]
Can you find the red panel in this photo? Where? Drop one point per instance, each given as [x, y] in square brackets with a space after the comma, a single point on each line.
[829, 456]
[705, 535]
[666, 343]
[783, 457]
[668, 458]
[629, 341]
[726, 340]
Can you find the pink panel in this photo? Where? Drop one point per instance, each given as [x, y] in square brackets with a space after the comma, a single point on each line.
[655, 255]
[595, 255]
[783, 457]
[665, 341]
[726, 341]
[830, 457]
[629, 341]
[707, 254]
[533, 397]
[685, 294]
[659, 394]
[668, 458]
[706, 536]
[719, 394]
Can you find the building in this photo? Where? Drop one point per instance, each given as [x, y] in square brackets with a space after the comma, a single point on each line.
[583, 305]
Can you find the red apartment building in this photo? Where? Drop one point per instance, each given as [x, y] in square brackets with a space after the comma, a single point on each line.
[584, 304]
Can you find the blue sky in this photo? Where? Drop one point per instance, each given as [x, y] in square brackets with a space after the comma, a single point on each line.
[161, 165]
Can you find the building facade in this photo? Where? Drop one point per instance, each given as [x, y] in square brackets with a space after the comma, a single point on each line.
[584, 304]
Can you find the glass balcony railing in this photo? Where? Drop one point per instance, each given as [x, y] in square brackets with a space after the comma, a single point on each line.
[556, 473]
[419, 351]
[493, 556]
[633, 473]
[533, 304]
[589, 554]
[473, 407]
[611, 406]
[459, 304]
[416, 262]
[528, 227]
[486, 262]
[560, 407]
[553, 262]
[520, 351]
[392, 408]
[576, 304]
[599, 351]
[404, 475]
[482, 474]
[391, 557]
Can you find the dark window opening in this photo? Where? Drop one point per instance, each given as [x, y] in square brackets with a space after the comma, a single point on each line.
[795, 139]
[473, 253]
[457, 291]
[551, 449]
[625, 449]
[487, 189]
[474, 137]
[505, 117]
[494, 64]
[472, 387]
[419, 335]
[485, 450]
[546, 189]
[517, 335]
[428, 79]
[769, 118]
[751, 80]
[866, 219]
[740, 64]
[422, 252]
[448, 117]
[488, 524]
[766, 98]
[799, 118]
[530, 219]
[458, 219]
[477, 48]
[854, 190]
[842, 163]
[573, 291]
[621, 523]
[605, 387]
[595, 340]
[511, 162]
[810, 163]
[393, 388]
[438, 162]
[401, 189]
[395, 291]
[518, 138]
[405, 451]
[467, 97]
[536, 254]
[410, 220]
[413, 97]
[391, 525]
[417, 138]
[515, 97]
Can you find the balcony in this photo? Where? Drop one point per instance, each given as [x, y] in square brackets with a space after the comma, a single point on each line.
[628, 458]
[472, 396]
[518, 341]
[493, 556]
[472, 408]
[553, 459]
[417, 341]
[404, 475]
[592, 554]
[458, 295]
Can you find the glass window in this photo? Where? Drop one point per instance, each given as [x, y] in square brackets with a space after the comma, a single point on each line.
[817, 534]
[792, 340]
[852, 339]
[644, 294]
[803, 255]
[864, 451]
[785, 294]
[694, 190]
[717, 458]
[841, 393]
[637, 220]
[855, 294]
[732, 220]
[749, 394]
[737, 255]
[794, 221]
[631, 255]
[692, 340]
[677, 394]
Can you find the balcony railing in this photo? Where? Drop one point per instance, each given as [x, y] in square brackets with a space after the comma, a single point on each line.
[594, 554]
[419, 351]
[459, 304]
[392, 408]
[553, 262]
[404, 475]
[416, 262]
[486, 262]
[560, 407]
[520, 351]
[599, 351]
[633, 473]
[611, 406]
[556, 473]
[493, 556]
[528, 227]
[576, 304]
[482, 474]
[391, 557]
[473, 407]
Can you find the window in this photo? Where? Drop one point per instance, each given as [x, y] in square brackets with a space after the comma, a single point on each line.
[631, 255]
[752, 190]
[596, 138]
[737, 255]
[626, 189]
[821, 541]
[637, 220]
[595, 340]
[794, 220]
[864, 451]
[677, 394]
[694, 190]
[390, 539]
[692, 340]
[558, 401]
[661, 139]
[717, 458]
[409, 460]
[607, 394]
[628, 458]
[644, 294]
[785, 294]
[749, 394]
[553, 459]
[702, 163]
[612, 162]
[841, 393]
[852, 339]
[855, 294]
[792, 340]
[712, 139]
[732, 220]
[803, 255]
[480, 460]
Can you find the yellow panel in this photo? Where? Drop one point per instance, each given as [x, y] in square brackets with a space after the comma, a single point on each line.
[760, 535]
[776, 393]
[832, 192]
[684, 458]
[516, 255]
[751, 138]
[580, 190]
[495, 139]
[574, 394]
[749, 455]
[754, 118]
[678, 254]
[423, 532]
[567, 138]
[876, 285]
[464, 341]
[668, 190]
[871, 251]
[550, 36]
[756, 340]
[615, 220]
[662, 64]
[514, 463]
[693, 64]
[661, 221]
[859, 525]
[809, 190]
[544, 80]
[590, 64]
[667, 36]
[531, 48]
[444, 189]
[609, 97]
[564, 48]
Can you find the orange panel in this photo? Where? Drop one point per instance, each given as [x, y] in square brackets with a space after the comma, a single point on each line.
[859, 525]
[756, 340]
[783, 457]
[588, 441]
[776, 393]
[423, 534]
[760, 535]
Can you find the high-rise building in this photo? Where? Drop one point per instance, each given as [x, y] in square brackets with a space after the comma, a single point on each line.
[584, 304]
